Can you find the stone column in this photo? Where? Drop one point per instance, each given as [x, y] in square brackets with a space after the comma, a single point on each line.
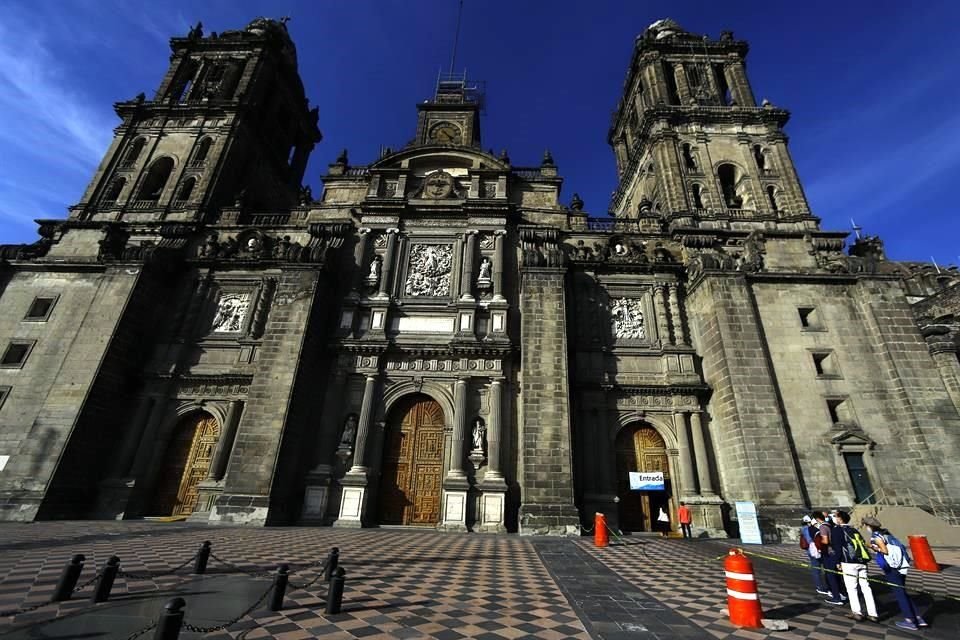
[459, 429]
[700, 452]
[466, 276]
[363, 428]
[386, 273]
[499, 237]
[739, 85]
[221, 457]
[134, 436]
[359, 253]
[683, 89]
[679, 337]
[660, 308]
[493, 431]
[687, 487]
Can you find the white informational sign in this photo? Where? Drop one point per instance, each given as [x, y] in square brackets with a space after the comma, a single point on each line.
[749, 525]
[643, 481]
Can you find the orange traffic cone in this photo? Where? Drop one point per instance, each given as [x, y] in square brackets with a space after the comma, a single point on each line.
[922, 554]
[743, 602]
[601, 537]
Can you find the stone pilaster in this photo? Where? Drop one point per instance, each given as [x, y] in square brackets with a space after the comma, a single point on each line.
[466, 275]
[679, 336]
[700, 452]
[359, 467]
[499, 237]
[359, 253]
[660, 310]
[459, 431]
[386, 275]
[221, 456]
[687, 484]
[683, 88]
[494, 474]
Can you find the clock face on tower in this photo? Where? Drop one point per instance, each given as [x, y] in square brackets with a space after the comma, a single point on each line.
[445, 133]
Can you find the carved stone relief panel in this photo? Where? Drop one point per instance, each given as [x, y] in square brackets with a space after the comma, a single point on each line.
[627, 319]
[231, 313]
[429, 270]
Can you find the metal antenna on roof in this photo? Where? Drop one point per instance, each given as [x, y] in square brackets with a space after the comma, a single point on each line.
[456, 38]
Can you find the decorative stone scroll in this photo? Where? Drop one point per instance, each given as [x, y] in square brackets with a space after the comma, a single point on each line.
[231, 312]
[429, 272]
[627, 319]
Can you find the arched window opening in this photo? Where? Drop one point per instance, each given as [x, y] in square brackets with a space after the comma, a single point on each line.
[156, 179]
[186, 190]
[112, 194]
[182, 86]
[727, 173]
[672, 94]
[200, 156]
[726, 97]
[697, 196]
[772, 195]
[688, 160]
[760, 157]
[133, 152]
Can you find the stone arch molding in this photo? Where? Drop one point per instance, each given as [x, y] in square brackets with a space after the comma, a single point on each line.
[437, 391]
[662, 424]
[216, 408]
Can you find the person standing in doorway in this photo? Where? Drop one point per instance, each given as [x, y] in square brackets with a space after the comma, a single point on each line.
[685, 518]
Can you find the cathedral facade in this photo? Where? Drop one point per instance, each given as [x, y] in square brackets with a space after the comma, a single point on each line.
[441, 339]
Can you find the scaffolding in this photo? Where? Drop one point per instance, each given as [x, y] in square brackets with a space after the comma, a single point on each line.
[455, 88]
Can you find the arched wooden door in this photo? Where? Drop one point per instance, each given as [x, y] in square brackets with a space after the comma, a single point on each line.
[412, 464]
[185, 464]
[640, 448]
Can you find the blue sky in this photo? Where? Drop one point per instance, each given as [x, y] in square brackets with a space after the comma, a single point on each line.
[875, 131]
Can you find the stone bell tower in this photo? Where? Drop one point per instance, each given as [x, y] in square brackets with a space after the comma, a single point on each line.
[228, 125]
[690, 142]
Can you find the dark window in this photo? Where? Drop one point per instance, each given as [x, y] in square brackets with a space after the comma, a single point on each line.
[809, 318]
[688, 160]
[4, 392]
[760, 158]
[841, 413]
[772, 195]
[113, 191]
[16, 354]
[203, 149]
[180, 89]
[726, 97]
[825, 363]
[697, 196]
[133, 152]
[156, 179]
[40, 308]
[187, 189]
[862, 488]
[727, 173]
[672, 95]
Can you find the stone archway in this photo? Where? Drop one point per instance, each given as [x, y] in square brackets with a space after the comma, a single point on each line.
[185, 464]
[640, 447]
[412, 470]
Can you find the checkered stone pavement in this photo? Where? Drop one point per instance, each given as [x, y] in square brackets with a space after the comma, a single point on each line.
[400, 584]
[688, 577]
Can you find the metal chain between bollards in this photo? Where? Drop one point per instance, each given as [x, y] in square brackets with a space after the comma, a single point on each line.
[320, 574]
[16, 612]
[137, 634]
[151, 576]
[230, 623]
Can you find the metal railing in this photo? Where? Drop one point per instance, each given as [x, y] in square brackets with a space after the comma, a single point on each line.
[914, 498]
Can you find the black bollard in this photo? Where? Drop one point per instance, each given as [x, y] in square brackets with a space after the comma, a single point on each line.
[279, 588]
[68, 579]
[200, 566]
[109, 573]
[333, 559]
[335, 593]
[170, 620]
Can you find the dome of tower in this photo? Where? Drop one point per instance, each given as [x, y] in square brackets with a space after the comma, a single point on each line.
[664, 29]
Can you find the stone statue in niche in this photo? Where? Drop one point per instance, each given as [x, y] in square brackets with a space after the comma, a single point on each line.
[627, 319]
[349, 432]
[479, 435]
[231, 312]
[429, 271]
[373, 277]
[483, 279]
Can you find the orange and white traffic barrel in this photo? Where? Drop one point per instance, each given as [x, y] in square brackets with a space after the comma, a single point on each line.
[923, 558]
[743, 601]
[601, 537]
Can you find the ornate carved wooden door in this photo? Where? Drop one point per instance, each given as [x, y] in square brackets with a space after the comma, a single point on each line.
[186, 464]
[641, 449]
[413, 465]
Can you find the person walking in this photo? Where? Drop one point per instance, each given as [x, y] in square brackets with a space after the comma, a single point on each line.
[894, 562]
[663, 523]
[854, 556]
[809, 535]
[686, 519]
[829, 559]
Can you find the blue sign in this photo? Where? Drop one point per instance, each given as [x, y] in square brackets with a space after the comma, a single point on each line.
[749, 525]
[643, 481]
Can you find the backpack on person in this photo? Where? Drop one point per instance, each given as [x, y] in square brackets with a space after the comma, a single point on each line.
[854, 549]
[804, 543]
[896, 557]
